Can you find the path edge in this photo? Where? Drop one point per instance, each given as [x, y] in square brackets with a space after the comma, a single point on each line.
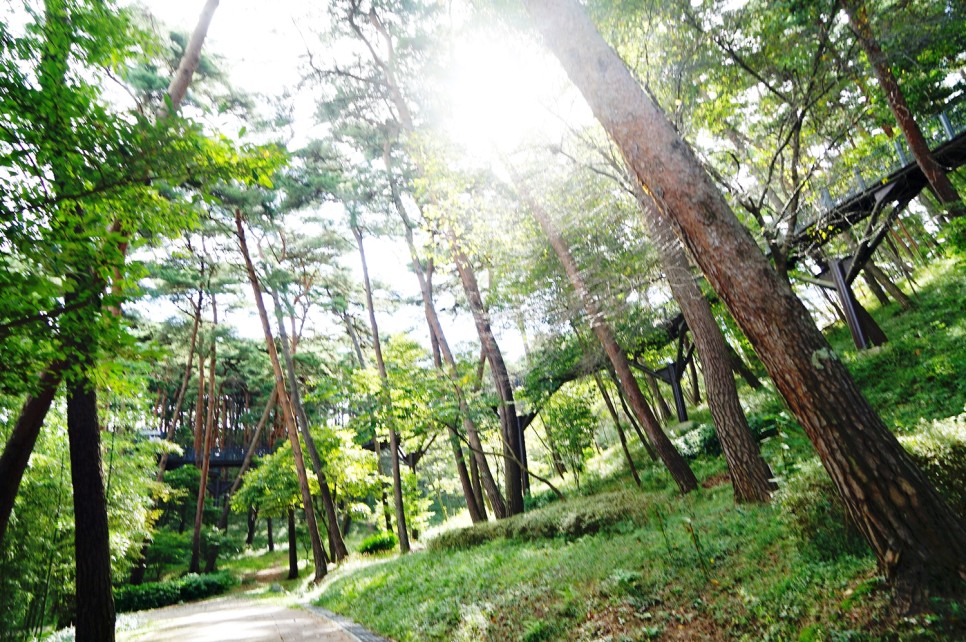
[355, 630]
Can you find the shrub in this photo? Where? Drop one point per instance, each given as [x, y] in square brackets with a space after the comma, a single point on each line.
[167, 548]
[701, 440]
[815, 514]
[570, 519]
[152, 595]
[378, 543]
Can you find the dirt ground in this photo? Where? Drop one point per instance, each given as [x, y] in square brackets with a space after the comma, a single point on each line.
[234, 618]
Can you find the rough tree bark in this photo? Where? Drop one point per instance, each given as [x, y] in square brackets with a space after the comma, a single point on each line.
[95, 600]
[919, 542]
[17, 451]
[288, 414]
[750, 475]
[293, 552]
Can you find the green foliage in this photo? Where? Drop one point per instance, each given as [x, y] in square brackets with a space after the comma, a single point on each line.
[569, 520]
[570, 423]
[939, 448]
[955, 233]
[814, 513]
[167, 548]
[37, 557]
[379, 543]
[152, 595]
[921, 372]
[702, 440]
[272, 487]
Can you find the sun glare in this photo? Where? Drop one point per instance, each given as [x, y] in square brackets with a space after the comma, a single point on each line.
[504, 92]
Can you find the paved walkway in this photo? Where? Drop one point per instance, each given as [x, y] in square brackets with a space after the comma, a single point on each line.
[235, 618]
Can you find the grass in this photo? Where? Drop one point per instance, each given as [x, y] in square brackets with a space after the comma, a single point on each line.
[658, 566]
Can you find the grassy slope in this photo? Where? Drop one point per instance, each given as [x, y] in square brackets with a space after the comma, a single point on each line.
[673, 568]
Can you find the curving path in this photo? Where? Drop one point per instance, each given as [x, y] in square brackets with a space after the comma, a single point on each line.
[234, 619]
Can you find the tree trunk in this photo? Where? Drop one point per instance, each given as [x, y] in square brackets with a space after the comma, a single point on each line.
[481, 477]
[401, 529]
[252, 523]
[199, 409]
[477, 484]
[246, 462]
[620, 430]
[675, 463]
[209, 436]
[269, 527]
[883, 279]
[293, 552]
[510, 426]
[386, 512]
[919, 542]
[466, 484]
[750, 475]
[631, 418]
[739, 367]
[336, 543]
[693, 379]
[16, 453]
[183, 388]
[660, 405]
[95, 599]
[940, 183]
[288, 416]
[190, 59]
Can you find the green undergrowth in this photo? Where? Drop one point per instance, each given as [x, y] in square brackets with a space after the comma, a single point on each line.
[614, 562]
[190, 588]
[693, 568]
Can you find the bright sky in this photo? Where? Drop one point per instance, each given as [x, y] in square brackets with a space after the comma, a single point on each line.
[503, 91]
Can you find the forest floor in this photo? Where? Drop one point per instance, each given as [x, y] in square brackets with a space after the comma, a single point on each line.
[619, 563]
[240, 618]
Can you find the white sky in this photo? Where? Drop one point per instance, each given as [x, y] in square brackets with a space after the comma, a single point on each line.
[493, 85]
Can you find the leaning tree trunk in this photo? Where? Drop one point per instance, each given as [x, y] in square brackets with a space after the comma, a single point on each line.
[16, 453]
[183, 388]
[288, 414]
[401, 528]
[480, 475]
[513, 457]
[336, 542]
[919, 542]
[750, 475]
[620, 429]
[207, 440]
[675, 463]
[941, 185]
